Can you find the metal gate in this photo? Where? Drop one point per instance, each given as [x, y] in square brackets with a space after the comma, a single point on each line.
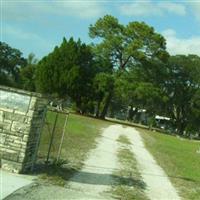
[53, 134]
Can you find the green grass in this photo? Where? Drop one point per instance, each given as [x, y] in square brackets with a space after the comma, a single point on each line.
[79, 138]
[180, 160]
[124, 140]
[130, 182]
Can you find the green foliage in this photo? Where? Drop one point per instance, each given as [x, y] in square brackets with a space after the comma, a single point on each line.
[27, 73]
[148, 95]
[10, 61]
[182, 88]
[67, 71]
[103, 83]
[193, 126]
[103, 86]
[141, 87]
[126, 45]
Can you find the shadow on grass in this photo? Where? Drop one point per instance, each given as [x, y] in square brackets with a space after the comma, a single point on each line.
[174, 177]
[55, 170]
[66, 172]
[184, 178]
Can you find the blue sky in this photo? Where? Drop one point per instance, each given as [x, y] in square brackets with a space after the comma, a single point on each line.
[38, 26]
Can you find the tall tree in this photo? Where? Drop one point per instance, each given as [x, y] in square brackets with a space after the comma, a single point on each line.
[127, 45]
[10, 62]
[193, 126]
[142, 87]
[103, 86]
[68, 71]
[182, 88]
[27, 73]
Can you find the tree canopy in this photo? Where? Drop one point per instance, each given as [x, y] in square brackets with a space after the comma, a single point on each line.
[182, 88]
[10, 61]
[68, 70]
[127, 45]
[27, 73]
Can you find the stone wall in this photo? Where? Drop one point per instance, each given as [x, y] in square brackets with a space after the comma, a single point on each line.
[21, 119]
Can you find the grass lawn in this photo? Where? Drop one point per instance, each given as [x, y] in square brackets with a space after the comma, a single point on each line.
[180, 160]
[79, 138]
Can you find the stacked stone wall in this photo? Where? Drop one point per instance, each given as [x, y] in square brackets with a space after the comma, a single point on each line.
[21, 119]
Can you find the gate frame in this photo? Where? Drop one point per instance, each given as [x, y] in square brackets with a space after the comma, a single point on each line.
[53, 133]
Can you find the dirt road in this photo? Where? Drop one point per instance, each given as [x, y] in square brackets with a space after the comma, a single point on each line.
[158, 184]
[95, 180]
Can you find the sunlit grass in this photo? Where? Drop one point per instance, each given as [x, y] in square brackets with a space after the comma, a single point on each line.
[80, 137]
[179, 158]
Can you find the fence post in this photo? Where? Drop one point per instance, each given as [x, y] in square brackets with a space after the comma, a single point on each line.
[63, 133]
[39, 137]
[52, 137]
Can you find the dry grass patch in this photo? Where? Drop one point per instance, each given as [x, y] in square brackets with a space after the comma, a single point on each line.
[130, 182]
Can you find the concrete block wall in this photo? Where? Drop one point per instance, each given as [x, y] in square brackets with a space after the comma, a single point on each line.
[22, 117]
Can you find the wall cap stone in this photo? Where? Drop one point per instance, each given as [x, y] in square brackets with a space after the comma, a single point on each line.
[23, 92]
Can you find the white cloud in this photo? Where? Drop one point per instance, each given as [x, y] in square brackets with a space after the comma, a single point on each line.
[24, 38]
[139, 9]
[175, 8]
[169, 33]
[19, 34]
[33, 9]
[177, 45]
[195, 6]
[149, 8]
[83, 9]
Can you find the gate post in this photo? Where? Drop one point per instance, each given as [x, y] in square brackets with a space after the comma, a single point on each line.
[21, 121]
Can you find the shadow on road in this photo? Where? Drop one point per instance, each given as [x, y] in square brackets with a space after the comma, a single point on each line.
[75, 175]
[106, 179]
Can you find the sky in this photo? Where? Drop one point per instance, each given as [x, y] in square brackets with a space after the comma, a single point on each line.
[37, 26]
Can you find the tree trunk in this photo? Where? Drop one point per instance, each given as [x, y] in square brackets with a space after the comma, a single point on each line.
[78, 105]
[180, 127]
[98, 108]
[106, 105]
[130, 113]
